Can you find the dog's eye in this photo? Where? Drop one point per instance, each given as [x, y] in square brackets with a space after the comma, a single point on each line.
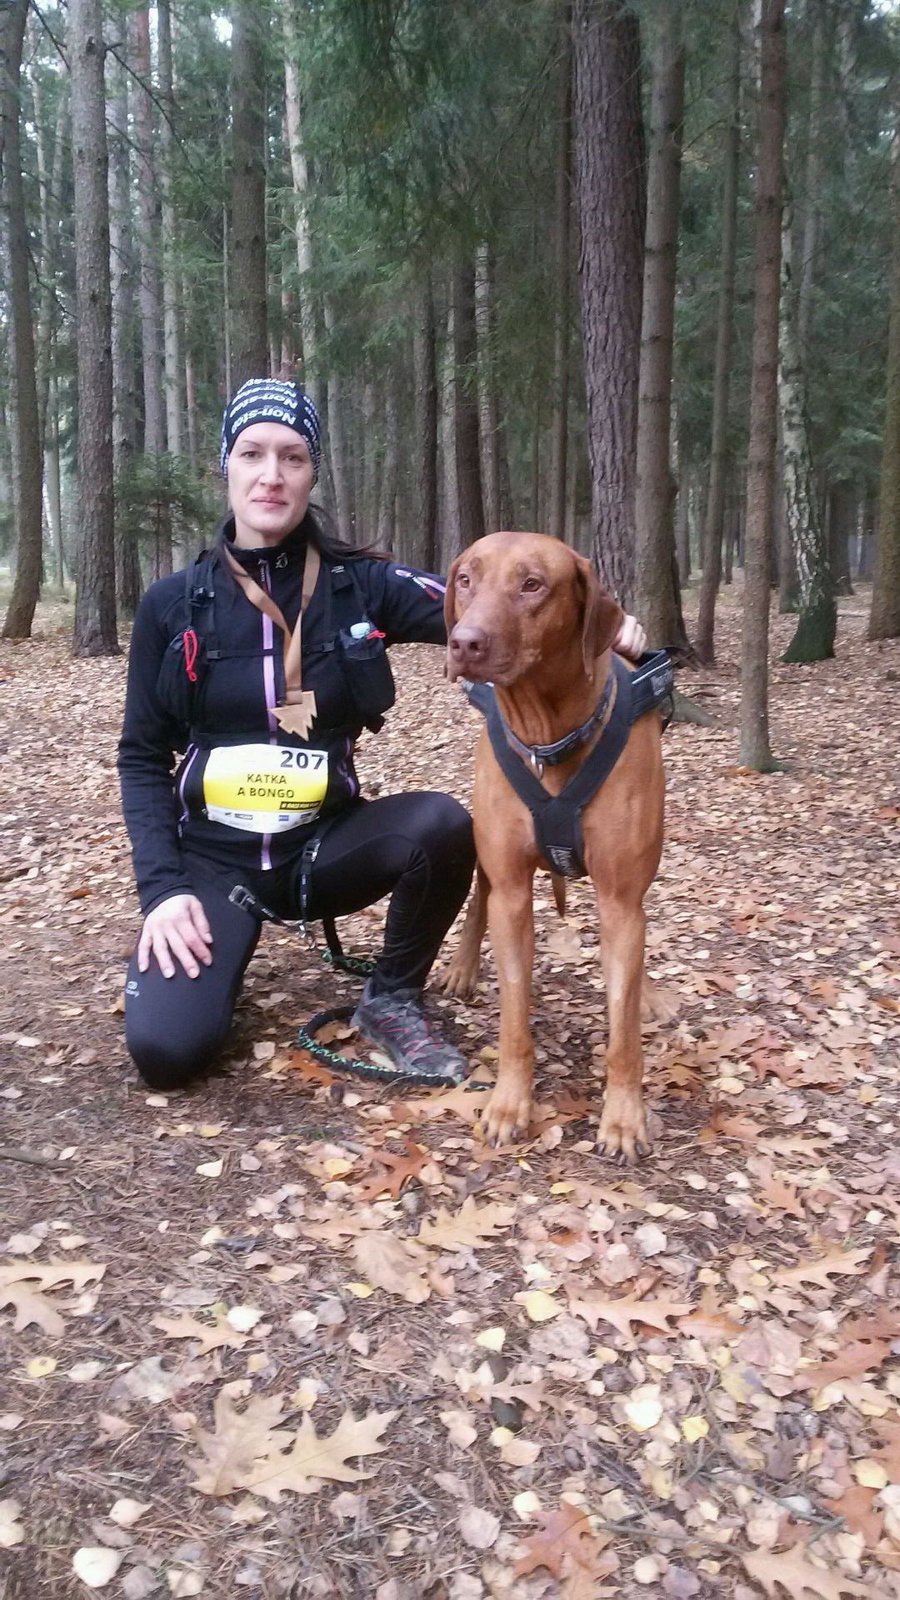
[532, 585]
[462, 580]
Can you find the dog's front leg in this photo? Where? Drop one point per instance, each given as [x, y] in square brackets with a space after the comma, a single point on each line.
[623, 1124]
[462, 971]
[511, 923]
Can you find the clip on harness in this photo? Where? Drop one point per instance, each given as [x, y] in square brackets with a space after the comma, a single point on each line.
[335, 957]
[557, 818]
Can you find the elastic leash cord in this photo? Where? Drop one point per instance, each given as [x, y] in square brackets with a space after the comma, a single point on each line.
[334, 956]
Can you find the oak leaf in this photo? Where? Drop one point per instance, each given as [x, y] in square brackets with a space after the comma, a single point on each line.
[237, 1442]
[568, 1547]
[32, 1308]
[469, 1228]
[396, 1170]
[300, 1469]
[397, 1265]
[790, 1571]
[210, 1334]
[852, 1361]
[836, 1262]
[594, 1308]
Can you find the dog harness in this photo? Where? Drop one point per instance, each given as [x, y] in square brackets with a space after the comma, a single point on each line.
[557, 818]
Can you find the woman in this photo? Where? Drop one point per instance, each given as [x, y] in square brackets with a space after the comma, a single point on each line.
[264, 673]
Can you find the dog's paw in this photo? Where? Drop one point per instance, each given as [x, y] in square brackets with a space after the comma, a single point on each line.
[461, 976]
[506, 1116]
[623, 1129]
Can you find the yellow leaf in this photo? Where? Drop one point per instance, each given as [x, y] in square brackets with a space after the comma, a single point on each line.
[694, 1428]
[41, 1366]
[491, 1339]
[518, 1452]
[643, 1408]
[870, 1474]
[526, 1505]
[96, 1565]
[210, 1169]
[539, 1305]
[360, 1291]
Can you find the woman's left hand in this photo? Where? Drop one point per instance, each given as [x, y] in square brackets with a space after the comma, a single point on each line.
[631, 639]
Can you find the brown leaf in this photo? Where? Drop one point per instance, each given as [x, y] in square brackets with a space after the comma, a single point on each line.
[396, 1170]
[594, 1307]
[211, 1335]
[792, 1572]
[300, 1469]
[566, 1541]
[239, 1439]
[469, 1228]
[856, 1358]
[776, 1192]
[835, 1263]
[396, 1265]
[857, 1506]
[32, 1309]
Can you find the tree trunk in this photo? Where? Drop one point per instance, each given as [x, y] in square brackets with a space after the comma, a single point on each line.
[50, 180]
[121, 252]
[816, 13]
[657, 596]
[95, 601]
[609, 144]
[488, 408]
[814, 638]
[714, 527]
[249, 333]
[53, 487]
[171, 308]
[29, 474]
[420, 546]
[338, 447]
[562, 282]
[148, 234]
[300, 178]
[386, 535]
[755, 751]
[884, 617]
[465, 408]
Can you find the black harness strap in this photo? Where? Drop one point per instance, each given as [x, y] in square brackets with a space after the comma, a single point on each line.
[557, 818]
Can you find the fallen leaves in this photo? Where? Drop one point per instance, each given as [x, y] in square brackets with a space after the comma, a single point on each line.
[799, 1577]
[249, 1450]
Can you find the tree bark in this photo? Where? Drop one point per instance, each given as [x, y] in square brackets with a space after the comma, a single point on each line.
[465, 408]
[386, 535]
[884, 617]
[249, 331]
[657, 596]
[817, 624]
[171, 307]
[338, 445]
[95, 601]
[122, 273]
[609, 144]
[714, 529]
[755, 751]
[488, 407]
[148, 234]
[300, 176]
[562, 285]
[29, 470]
[420, 545]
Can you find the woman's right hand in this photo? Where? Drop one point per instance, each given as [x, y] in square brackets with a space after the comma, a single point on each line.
[177, 928]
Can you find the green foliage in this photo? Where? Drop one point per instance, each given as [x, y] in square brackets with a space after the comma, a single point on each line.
[164, 492]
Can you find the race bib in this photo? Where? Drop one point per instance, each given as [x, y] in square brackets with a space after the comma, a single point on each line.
[264, 788]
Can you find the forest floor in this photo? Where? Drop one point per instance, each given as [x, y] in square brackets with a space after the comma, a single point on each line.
[289, 1335]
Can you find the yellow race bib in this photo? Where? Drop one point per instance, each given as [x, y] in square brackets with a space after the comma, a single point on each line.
[264, 788]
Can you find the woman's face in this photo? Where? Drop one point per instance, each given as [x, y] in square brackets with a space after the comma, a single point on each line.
[270, 480]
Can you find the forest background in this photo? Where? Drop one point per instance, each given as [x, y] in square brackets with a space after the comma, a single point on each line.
[621, 273]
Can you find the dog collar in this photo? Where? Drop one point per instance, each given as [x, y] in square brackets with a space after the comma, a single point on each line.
[540, 756]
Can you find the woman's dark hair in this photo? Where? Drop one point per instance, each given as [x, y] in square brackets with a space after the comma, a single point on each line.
[319, 526]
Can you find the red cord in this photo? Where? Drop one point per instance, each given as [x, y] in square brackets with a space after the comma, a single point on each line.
[191, 647]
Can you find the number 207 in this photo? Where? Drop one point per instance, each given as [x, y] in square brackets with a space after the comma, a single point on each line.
[305, 760]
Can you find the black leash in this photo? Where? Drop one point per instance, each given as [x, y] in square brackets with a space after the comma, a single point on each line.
[374, 1071]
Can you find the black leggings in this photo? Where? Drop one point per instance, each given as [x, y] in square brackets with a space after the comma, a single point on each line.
[419, 846]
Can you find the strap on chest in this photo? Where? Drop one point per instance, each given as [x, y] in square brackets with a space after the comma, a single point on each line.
[557, 818]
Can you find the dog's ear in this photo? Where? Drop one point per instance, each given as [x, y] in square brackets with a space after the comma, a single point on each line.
[601, 616]
[450, 598]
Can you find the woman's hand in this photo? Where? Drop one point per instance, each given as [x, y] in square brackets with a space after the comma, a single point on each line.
[631, 639]
[178, 928]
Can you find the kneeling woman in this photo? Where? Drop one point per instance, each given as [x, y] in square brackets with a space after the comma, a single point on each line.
[263, 666]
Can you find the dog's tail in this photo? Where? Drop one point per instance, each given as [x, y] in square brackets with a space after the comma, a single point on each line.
[559, 892]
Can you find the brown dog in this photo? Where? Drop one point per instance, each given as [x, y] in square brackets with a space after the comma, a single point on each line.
[529, 615]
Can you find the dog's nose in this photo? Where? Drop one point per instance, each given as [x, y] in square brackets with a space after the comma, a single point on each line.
[468, 645]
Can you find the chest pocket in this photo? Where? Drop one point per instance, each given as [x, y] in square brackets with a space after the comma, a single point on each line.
[359, 651]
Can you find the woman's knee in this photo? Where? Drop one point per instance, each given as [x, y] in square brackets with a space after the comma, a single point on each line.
[168, 1062]
[447, 828]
